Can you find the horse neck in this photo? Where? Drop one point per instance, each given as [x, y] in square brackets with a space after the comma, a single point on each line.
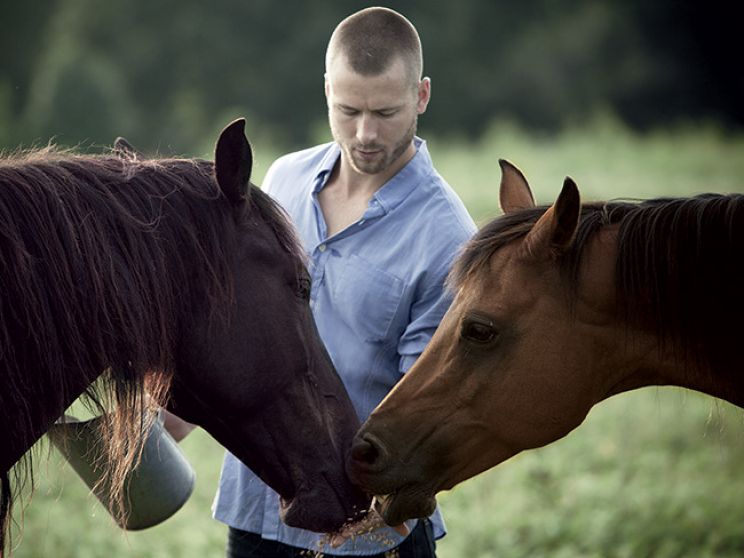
[667, 368]
[721, 384]
[637, 354]
[678, 278]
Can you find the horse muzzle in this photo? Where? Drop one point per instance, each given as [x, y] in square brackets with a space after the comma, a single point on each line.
[397, 498]
[324, 508]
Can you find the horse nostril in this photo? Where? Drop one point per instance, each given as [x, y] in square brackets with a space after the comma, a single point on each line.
[364, 451]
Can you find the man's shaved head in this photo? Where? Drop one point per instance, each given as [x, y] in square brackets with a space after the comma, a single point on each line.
[371, 39]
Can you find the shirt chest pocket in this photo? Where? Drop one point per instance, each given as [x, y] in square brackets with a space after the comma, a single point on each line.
[367, 299]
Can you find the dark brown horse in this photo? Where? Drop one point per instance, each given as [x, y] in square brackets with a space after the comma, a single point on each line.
[178, 278]
[557, 308]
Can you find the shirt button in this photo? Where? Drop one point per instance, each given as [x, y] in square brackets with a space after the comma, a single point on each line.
[322, 247]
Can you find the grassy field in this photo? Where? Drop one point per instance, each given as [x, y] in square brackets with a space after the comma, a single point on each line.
[654, 473]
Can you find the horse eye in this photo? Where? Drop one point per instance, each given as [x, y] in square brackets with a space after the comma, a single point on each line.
[478, 331]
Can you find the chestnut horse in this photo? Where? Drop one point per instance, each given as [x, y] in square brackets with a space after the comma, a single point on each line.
[175, 277]
[555, 309]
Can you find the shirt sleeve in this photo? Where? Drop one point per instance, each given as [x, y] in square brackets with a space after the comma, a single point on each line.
[427, 310]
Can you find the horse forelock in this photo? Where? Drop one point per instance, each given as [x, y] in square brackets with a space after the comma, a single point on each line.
[678, 265]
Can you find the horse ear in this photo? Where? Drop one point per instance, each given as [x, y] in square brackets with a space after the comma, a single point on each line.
[125, 150]
[233, 162]
[554, 232]
[514, 193]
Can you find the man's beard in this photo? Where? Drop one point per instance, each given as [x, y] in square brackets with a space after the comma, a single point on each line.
[385, 158]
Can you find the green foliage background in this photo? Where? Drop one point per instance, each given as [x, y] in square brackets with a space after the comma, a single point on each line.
[169, 74]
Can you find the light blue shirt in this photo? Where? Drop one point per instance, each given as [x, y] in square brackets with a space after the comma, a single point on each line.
[377, 296]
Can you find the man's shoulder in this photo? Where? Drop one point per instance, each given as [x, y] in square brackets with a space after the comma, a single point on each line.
[300, 162]
[447, 212]
[286, 176]
[438, 204]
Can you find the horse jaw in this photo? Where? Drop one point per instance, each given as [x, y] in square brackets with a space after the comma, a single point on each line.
[407, 502]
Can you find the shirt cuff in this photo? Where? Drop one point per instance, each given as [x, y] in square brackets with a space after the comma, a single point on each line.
[406, 362]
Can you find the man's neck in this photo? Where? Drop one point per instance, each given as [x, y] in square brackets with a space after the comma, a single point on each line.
[350, 183]
[347, 193]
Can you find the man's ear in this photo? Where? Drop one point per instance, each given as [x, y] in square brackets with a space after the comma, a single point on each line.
[424, 95]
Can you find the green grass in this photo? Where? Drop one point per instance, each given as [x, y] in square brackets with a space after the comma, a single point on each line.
[605, 159]
[64, 520]
[653, 473]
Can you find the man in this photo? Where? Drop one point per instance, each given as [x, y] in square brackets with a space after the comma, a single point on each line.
[381, 229]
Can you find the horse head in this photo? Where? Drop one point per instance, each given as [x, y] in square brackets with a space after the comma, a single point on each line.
[556, 309]
[485, 388]
[260, 380]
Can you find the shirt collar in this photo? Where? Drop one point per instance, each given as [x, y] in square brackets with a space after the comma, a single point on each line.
[395, 190]
[326, 166]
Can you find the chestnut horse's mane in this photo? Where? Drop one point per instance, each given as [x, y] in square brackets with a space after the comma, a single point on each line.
[99, 255]
[679, 267]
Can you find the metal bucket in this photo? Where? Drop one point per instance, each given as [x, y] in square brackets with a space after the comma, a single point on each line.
[157, 488]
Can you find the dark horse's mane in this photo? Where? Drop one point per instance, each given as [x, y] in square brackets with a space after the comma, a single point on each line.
[679, 266]
[99, 255]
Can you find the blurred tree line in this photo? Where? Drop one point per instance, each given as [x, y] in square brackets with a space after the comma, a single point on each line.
[169, 73]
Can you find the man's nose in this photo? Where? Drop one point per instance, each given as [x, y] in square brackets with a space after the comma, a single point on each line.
[366, 129]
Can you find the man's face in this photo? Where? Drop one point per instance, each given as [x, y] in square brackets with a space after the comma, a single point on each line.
[373, 118]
